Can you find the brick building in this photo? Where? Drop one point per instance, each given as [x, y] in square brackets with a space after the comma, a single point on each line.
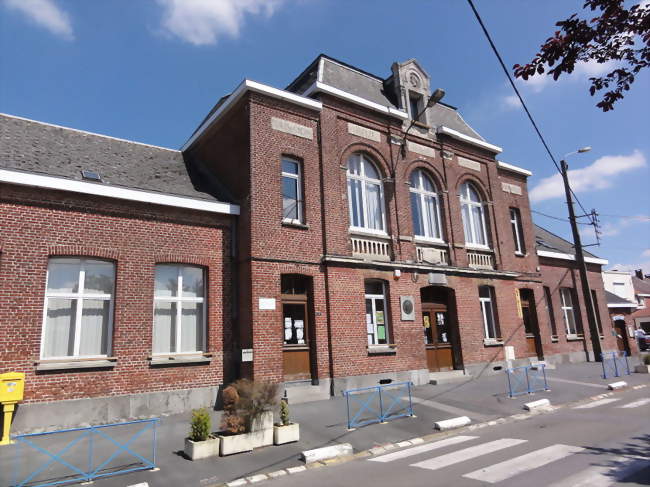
[377, 237]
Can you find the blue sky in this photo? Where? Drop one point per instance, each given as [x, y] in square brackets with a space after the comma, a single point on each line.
[150, 70]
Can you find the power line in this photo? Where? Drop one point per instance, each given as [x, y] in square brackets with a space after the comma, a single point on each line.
[523, 104]
[559, 218]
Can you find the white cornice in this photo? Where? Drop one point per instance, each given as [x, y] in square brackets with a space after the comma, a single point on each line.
[510, 167]
[245, 86]
[325, 88]
[622, 305]
[455, 134]
[561, 256]
[98, 189]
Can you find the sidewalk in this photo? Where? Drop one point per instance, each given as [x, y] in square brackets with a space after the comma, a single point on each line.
[324, 422]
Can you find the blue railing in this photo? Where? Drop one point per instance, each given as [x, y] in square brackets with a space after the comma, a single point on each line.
[614, 364]
[526, 379]
[84, 454]
[378, 404]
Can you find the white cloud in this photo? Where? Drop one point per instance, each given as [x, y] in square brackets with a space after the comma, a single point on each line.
[45, 13]
[645, 265]
[593, 68]
[646, 252]
[511, 101]
[598, 175]
[203, 22]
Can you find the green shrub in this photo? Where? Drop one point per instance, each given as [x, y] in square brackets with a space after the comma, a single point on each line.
[284, 412]
[200, 425]
[646, 359]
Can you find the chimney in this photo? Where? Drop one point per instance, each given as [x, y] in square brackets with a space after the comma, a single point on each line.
[639, 273]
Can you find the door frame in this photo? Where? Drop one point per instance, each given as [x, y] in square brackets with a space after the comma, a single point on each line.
[532, 309]
[447, 297]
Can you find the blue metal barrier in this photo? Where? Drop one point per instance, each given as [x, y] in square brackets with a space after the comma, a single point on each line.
[378, 404]
[526, 379]
[614, 364]
[83, 454]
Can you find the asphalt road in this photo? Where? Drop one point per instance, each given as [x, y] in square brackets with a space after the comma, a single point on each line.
[598, 443]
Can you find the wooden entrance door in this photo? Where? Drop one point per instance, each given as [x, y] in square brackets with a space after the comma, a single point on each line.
[621, 336]
[437, 337]
[531, 327]
[296, 357]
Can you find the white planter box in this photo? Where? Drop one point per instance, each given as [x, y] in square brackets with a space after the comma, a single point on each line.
[261, 435]
[195, 450]
[642, 369]
[235, 444]
[286, 434]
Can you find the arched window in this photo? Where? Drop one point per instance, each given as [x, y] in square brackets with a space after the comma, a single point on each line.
[365, 195]
[425, 206]
[473, 211]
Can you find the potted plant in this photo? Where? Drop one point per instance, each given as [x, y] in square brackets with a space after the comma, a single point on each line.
[201, 443]
[285, 431]
[644, 368]
[247, 419]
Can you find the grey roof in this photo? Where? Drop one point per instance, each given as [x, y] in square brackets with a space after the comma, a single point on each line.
[550, 242]
[641, 286]
[614, 299]
[36, 147]
[372, 88]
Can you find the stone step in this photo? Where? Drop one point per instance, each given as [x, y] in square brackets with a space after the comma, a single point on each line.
[547, 366]
[305, 392]
[448, 377]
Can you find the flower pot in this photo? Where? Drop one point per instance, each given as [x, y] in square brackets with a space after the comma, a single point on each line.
[231, 444]
[195, 450]
[262, 430]
[642, 369]
[286, 433]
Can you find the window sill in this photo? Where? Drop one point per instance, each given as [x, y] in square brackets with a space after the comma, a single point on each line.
[179, 359]
[492, 342]
[295, 224]
[519, 254]
[364, 232]
[434, 241]
[389, 349]
[574, 338]
[478, 247]
[554, 339]
[73, 364]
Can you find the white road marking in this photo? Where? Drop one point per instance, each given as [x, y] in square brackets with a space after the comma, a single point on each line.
[600, 402]
[467, 454]
[567, 381]
[602, 476]
[447, 408]
[636, 404]
[454, 440]
[529, 461]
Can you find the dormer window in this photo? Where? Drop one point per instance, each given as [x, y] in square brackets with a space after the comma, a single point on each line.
[415, 105]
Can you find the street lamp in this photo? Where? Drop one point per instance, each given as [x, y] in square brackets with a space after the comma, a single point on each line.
[580, 259]
[435, 97]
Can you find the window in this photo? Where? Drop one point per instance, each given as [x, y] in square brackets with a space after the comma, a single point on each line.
[291, 191]
[414, 106]
[594, 301]
[490, 325]
[376, 319]
[567, 310]
[365, 195]
[619, 289]
[517, 231]
[78, 308]
[551, 312]
[425, 206]
[295, 317]
[473, 213]
[179, 309]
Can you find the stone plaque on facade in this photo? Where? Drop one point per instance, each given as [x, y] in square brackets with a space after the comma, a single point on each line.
[421, 149]
[511, 188]
[292, 128]
[364, 132]
[469, 164]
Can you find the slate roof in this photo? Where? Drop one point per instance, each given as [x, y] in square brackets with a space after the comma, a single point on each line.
[37, 147]
[614, 299]
[373, 88]
[641, 286]
[550, 242]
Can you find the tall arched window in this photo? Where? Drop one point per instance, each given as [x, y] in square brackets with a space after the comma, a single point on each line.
[365, 195]
[473, 211]
[425, 206]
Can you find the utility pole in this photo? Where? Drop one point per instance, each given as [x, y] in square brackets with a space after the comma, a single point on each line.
[582, 268]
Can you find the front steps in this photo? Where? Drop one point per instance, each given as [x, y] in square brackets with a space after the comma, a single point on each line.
[303, 391]
[448, 377]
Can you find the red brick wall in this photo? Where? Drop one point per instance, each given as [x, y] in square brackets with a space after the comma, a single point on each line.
[136, 236]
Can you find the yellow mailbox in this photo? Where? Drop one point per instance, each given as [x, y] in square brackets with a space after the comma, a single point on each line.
[12, 386]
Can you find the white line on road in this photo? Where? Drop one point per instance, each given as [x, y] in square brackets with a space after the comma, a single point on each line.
[529, 461]
[595, 404]
[467, 453]
[588, 384]
[636, 404]
[454, 440]
[447, 408]
[602, 476]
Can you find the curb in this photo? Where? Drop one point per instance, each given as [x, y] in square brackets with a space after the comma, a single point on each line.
[379, 450]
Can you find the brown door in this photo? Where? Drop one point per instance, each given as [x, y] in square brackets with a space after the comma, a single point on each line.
[531, 327]
[621, 336]
[296, 356]
[437, 337]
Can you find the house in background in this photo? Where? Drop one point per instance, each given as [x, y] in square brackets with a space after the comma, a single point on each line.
[641, 316]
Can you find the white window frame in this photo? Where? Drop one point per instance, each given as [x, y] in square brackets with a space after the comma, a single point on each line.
[566, 308]
[465, 200]
[515, 223]
[363, 209]
[484, 313]
[179, 300]
[298, 179]
[422, 194]
[373, 299]
[79, 296]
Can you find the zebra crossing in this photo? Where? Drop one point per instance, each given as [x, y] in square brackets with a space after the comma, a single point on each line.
[455, 450]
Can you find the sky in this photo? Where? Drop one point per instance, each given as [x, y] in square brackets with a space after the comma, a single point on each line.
[150, 70]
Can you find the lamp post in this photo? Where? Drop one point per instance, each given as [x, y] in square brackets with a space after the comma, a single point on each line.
[580, 259]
